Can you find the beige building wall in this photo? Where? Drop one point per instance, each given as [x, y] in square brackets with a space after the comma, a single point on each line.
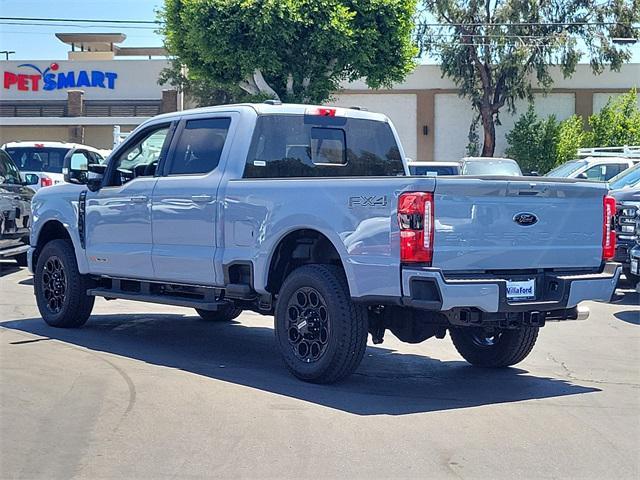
[453, 116]
[28, 133]
[442, 119]
[97, 136]
[401, 108]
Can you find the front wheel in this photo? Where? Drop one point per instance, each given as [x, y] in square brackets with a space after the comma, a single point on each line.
[61, 291]
[493, 347]
[321, 333]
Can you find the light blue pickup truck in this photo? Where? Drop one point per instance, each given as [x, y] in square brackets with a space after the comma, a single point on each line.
[308, 213]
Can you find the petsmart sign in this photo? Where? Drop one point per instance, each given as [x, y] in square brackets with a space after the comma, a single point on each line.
[29, 77]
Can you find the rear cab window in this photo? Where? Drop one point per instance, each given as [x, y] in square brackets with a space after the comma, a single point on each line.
[38, 159]
[286, 146]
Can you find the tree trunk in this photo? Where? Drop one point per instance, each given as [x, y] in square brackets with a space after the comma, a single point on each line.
[489, 126]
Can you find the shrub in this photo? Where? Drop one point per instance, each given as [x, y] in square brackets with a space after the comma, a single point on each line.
[571, 136]
[617, 124]
[532, 142]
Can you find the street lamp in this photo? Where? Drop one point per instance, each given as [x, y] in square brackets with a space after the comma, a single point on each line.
[7, 53]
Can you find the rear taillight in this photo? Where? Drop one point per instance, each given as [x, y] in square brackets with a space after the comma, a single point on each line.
[46, 182]
[415, 217]
[608, 230]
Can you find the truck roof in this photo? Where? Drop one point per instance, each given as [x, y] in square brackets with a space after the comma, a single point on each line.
[284, 109]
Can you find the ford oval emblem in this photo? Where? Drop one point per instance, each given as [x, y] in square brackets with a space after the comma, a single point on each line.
[525, 219]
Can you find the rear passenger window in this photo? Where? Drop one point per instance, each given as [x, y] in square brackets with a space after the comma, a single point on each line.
[200, 146]
[328, 146]
[285, 146]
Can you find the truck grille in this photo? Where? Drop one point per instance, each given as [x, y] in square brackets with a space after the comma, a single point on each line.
[625, 222]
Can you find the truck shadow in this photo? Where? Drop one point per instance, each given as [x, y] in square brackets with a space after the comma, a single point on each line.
[387, 382]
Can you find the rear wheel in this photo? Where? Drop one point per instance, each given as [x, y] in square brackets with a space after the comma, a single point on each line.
[61, 291]
[225, 313]
[493, 347]
[321, 333]
[630, 278]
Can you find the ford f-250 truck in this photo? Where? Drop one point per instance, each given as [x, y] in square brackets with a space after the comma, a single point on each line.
[308, 214]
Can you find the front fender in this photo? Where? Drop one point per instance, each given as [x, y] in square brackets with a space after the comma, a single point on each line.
[58, 204]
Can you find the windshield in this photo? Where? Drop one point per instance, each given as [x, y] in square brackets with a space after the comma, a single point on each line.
[32, 159]
[434, 171]
[628, 178]
[566, 168]
[491, 167]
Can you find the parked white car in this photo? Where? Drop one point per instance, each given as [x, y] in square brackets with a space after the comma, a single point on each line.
[490, 166]
[45, 160]
[434, 169]
[593, 168]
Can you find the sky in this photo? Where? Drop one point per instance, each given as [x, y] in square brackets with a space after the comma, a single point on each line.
[37, 42]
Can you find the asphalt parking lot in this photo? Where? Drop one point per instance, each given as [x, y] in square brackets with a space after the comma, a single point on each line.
[146, 391]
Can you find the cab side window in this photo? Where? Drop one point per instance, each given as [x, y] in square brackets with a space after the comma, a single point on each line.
[199, 147]
[604, 171]
[141, 158]
[9, 173]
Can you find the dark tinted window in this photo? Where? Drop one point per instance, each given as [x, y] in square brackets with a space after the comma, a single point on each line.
[433, 171]
[8, 172]
[32, 159]
[311, 146]
[200, 146]
[140, 156]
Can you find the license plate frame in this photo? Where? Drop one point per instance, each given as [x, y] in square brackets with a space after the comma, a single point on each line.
[635, 266]
[521, 290]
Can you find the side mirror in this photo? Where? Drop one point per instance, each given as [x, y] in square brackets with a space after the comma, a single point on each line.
[534, 173]
[582, 176]
[30, 179]
[75, 169]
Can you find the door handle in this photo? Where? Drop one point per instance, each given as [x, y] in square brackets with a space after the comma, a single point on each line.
[201, 198]
[139, 198]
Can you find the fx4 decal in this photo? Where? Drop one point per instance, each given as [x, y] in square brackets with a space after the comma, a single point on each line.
[368, 201]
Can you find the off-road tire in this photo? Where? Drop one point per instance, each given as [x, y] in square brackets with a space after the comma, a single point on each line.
[223, 314]
[21, 259]
[512, 346]
[76, 307]
[347, 339]
[630, 278]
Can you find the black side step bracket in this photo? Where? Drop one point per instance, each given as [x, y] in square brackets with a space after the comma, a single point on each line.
[151, 298]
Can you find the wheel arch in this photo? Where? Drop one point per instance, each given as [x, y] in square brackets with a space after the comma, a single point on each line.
[54, 229]
[297, 247]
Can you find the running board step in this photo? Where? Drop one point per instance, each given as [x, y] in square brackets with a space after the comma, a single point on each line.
[150, 298]
[239, 291]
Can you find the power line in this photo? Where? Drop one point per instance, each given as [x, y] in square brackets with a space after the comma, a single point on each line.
[24, 24]
[81, 20]
[527, 24]
[480, 24]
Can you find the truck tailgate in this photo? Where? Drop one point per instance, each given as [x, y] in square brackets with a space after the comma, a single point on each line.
[505, 224]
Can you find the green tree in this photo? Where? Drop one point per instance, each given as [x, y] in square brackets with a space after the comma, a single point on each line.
[532, 142]
[617, 124]
[498, 51]
[292, 50]
[541, 144]
[571, 137]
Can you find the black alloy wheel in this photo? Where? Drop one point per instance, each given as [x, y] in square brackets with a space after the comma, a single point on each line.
[54, 284]
[309, 326]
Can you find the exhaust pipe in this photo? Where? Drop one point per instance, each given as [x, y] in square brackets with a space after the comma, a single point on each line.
[582, 312]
